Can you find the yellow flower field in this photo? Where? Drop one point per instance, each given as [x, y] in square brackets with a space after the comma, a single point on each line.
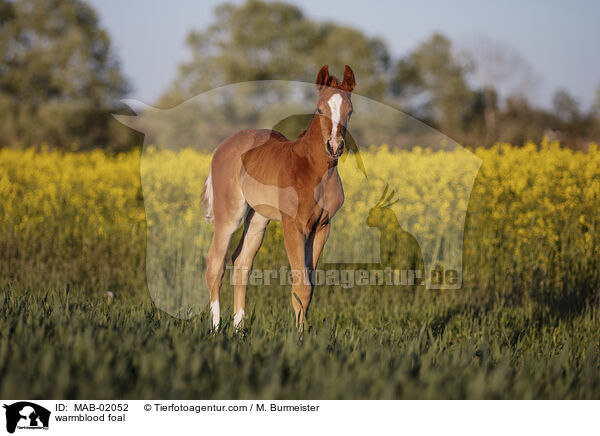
[79, 218]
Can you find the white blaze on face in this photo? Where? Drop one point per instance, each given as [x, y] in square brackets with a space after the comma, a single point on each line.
[335, 104]
[215, 310]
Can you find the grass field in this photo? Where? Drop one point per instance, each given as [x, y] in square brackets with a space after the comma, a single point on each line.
[384, 346]
[525, 324]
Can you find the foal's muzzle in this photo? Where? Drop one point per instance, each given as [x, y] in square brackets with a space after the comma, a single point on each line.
[335, 153]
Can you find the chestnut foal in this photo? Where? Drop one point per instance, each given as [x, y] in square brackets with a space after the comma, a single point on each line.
[258, 176]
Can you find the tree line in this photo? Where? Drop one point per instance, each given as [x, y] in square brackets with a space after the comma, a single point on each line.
[60, 79]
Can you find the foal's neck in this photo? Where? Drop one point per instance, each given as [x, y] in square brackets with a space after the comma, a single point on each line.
[313, 148]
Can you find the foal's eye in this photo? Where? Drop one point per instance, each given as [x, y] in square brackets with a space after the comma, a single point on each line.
[320, 111]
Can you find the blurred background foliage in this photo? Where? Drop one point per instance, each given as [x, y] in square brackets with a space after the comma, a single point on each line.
[60, 79]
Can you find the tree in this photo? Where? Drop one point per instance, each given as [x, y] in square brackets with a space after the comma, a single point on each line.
[432, 79]
[576, 126]
[498, 70]
[596, 104]
[565, 106]
[259, 40]
[520, 122]
[59, 80]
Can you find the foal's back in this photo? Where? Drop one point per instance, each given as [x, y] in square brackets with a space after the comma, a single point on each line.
[249, 157]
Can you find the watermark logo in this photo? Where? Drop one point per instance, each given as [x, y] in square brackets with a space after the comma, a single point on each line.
[25, 415]
[406, 191]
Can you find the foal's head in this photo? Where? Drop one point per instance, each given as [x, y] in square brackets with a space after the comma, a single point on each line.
[334, 108]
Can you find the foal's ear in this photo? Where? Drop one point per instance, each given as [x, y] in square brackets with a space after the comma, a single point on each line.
[322, 77]
[349, 81]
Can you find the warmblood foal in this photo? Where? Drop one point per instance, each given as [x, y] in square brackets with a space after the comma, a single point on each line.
[259, 175]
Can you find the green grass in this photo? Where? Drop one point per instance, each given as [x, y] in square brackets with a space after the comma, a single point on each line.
[361, 343]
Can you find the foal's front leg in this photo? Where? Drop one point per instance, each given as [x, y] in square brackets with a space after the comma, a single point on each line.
[318, 242]
[295, 245]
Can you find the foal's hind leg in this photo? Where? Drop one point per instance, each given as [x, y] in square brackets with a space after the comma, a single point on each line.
[254, 230]
[225, 226]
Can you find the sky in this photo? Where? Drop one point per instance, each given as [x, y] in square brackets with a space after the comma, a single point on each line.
[559, 39]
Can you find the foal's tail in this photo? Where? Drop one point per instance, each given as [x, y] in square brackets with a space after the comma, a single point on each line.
[207, 199]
